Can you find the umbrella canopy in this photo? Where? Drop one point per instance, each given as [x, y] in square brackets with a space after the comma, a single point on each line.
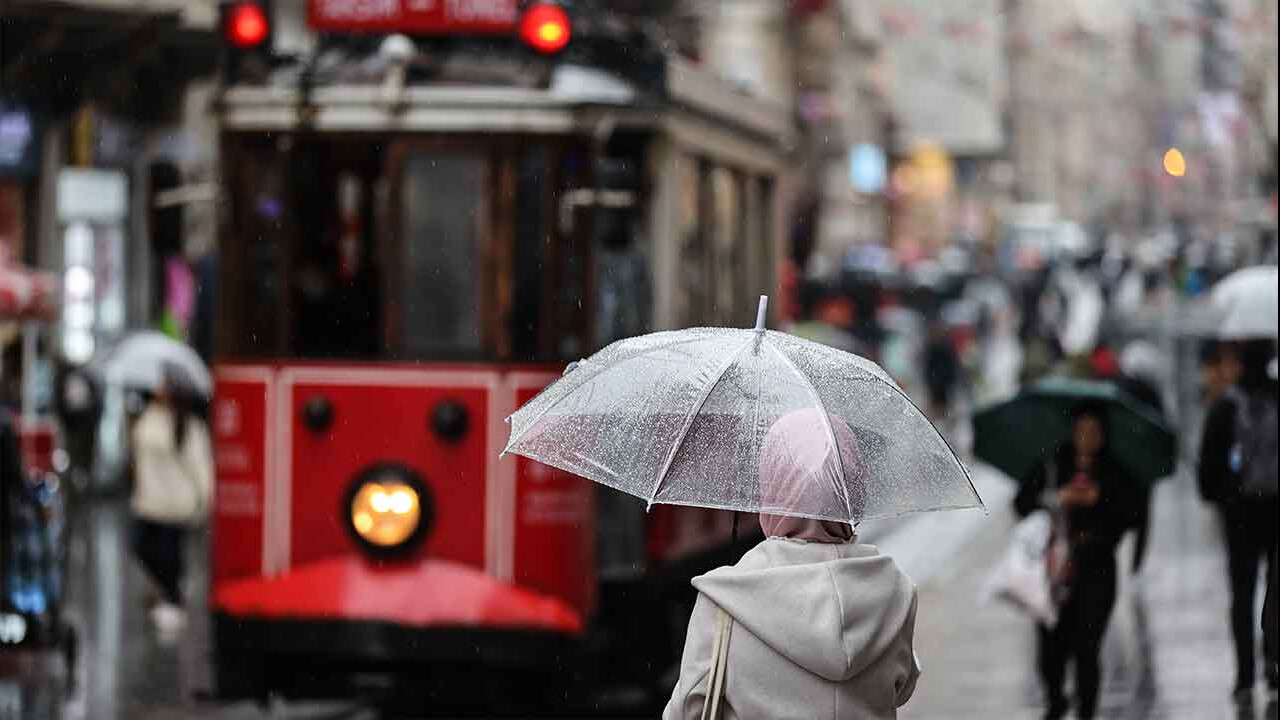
[697, 417]
[1248, 300]
[141, 359]
[1014, 435]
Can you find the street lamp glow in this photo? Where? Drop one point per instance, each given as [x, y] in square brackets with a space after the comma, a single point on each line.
[1174, 163]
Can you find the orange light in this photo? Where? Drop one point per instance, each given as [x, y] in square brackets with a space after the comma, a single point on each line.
[246, 25]
[385, 513]
[1174, 162]
[545, 28]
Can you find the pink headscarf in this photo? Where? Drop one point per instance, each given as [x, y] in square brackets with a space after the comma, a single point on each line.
[800, 471]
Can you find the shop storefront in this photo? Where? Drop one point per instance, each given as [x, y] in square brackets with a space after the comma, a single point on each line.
[92, 92]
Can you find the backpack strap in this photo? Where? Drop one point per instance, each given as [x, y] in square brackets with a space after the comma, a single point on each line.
[719, 658]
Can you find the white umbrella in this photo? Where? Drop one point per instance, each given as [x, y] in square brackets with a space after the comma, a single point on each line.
[1085, 308]
[1143, 359]
[139, 361]
[688, 417]
[1248, 300]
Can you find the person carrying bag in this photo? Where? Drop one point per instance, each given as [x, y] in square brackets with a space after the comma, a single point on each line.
[172, 465]
[1092, 503]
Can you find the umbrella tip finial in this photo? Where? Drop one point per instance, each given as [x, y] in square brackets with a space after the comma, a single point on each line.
[760, 312]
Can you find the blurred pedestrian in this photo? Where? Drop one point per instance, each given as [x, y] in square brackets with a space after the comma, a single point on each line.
[1219, 370]
[1237, 473]
[1094, 503]
[826, 316]
[172, 487]
[809, 623]
[942, 370]
[78, 402]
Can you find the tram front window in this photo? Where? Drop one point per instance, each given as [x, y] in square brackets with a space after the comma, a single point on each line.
[415, 249]
[442, 225]
[335, 282]
[301, 272]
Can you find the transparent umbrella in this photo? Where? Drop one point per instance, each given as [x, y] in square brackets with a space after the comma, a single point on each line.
[683, 417]
[140, 360]
[1248, 301]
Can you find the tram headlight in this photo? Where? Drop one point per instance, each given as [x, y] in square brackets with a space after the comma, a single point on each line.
[388, 509]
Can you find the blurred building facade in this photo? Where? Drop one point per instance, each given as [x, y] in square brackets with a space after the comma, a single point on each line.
[103, 129]
[842, 105]
[1100, 91]
[114, 96]
[986, 106]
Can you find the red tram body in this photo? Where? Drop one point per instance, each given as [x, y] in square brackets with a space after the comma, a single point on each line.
[398, 274]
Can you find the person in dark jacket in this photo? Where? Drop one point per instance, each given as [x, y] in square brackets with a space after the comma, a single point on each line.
[1082, 485]
[942, 370]
[1219, 370]
[1248, 520]
[78, 402]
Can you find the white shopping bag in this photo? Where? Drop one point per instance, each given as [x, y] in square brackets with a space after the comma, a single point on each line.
[1022, 576]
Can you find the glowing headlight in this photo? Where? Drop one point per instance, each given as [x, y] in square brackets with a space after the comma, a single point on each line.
[385, 513]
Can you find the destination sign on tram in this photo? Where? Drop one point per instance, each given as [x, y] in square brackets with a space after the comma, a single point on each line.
[436, 17]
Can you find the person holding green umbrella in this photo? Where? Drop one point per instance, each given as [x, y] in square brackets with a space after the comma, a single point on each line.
[1013, 435]
[1093, 501]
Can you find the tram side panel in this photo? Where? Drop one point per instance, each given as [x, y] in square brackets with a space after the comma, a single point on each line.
[554, 524]
[240, 426]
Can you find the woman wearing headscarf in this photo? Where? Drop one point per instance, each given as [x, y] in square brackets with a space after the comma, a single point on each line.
[1095, 503]
[817, 626]
[172, 488]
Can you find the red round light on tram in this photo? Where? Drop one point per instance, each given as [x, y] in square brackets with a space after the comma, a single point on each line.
[545, 28]
[247, 25]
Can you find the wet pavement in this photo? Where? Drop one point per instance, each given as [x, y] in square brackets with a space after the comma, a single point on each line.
[1167, 653]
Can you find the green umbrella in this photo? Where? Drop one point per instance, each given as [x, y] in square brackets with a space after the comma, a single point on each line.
[1014, 435]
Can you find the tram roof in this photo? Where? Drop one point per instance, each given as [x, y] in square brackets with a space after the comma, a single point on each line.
[574, 99]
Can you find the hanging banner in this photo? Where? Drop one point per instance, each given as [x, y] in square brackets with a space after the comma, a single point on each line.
[428, 17]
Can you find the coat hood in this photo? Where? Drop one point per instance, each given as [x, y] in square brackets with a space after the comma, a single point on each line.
[831, 609]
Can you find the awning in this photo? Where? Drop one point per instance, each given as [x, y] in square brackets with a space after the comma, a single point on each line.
[27, 294]
[128, 57]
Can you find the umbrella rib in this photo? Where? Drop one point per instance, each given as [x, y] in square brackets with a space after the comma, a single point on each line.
[826, 425]
[689, 418]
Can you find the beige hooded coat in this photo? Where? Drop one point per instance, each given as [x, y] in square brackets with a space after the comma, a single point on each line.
[820, 630]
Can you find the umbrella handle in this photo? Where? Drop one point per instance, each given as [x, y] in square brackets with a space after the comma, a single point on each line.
[760, 312]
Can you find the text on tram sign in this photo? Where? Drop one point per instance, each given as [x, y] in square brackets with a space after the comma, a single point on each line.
[431, 17]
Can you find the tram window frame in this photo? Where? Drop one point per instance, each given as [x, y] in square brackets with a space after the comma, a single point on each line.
[527, 320]
[562, 328]
[400, 154]
[698, 243]
[766, 274]
[758, 276]
[727, 247]
[260, 176]
[246, 161]
[722, 266]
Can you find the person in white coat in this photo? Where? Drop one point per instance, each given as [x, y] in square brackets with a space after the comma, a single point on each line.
[815, 625]
[172, 487]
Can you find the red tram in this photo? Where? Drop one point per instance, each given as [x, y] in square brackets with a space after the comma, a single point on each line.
[418, 233]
